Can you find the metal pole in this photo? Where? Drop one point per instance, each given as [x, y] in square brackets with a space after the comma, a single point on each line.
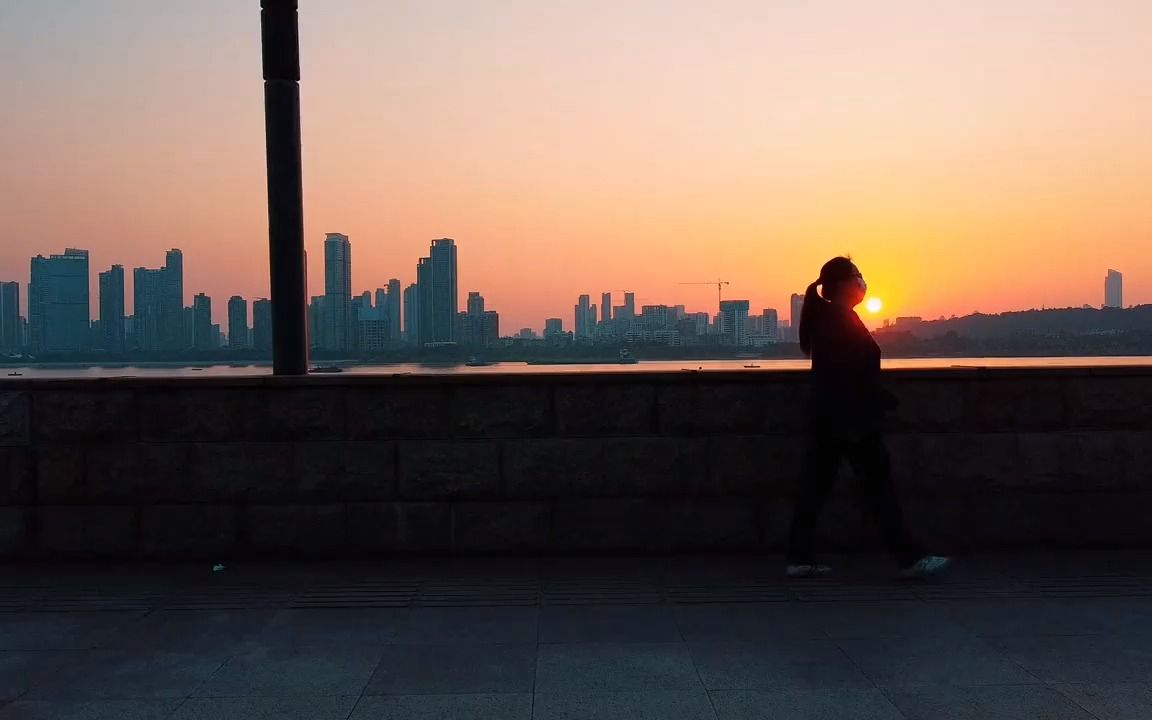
[279, 27]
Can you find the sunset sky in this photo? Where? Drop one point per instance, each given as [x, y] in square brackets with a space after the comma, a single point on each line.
[980, 155]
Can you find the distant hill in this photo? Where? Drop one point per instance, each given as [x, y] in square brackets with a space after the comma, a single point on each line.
[1062, 322]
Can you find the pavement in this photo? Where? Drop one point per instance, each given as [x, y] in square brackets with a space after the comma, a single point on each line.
[1057, 636]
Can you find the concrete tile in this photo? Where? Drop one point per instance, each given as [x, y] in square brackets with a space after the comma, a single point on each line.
[644, 705]
[190, 630]
[61, 630]
[129, 674]
[484, 625]
[21, 670]
[1084, 659]
[827, 704]
[614, 666]
[270, 672]
[750, 621]
[299, 707]
[444, 669]
[989, 702]
[927, 661]
[887, 619]
[89, 710]
[608, 623]
[444, 707]
[799, 664]
[342, 627]
[1032, 616]
[1112, 701]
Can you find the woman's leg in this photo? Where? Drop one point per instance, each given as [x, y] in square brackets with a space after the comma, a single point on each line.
[873, 469]
[820, 465]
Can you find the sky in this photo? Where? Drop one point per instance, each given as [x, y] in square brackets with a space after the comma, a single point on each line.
[986, 155]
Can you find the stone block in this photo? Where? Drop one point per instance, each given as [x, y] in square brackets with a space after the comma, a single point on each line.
[928, 406]
[296, 529]
[242, 471]
[959, 464]
[485, 527]
[293, 413]
[84, 416]
[15, 531]
[754, 465]
[703, 408]
[609, 525]
[1110, 402]
[60, 474]
[997, 521]
[14, 424]
[1104, 459]
[75, 532]
[605, 408]
[346, 471]
[201, 415]
[553, 468]
[400, 527]
[376, 413]
[437, 470]
[713, 524]
[17, 482]
[515, 411]
[1015, 405]
[786, 406]
[1117, 520]
[654, 467]
[202, 531]
[139, 472]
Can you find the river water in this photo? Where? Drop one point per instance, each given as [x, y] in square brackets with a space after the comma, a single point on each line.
[178, 370]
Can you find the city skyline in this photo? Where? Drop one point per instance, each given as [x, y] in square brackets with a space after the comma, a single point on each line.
[949, 148]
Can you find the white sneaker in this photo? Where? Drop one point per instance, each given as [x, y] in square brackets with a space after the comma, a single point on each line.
[807, 571]
[927, 566]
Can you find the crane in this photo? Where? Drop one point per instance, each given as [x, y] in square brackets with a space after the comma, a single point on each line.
[719, 288]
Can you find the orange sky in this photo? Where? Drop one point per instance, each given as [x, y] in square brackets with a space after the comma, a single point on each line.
[985, 155]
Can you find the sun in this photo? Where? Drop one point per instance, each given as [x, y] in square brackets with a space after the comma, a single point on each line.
[874, 305]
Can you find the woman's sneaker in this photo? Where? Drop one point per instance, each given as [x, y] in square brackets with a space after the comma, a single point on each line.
[927, 566]
[807, 571]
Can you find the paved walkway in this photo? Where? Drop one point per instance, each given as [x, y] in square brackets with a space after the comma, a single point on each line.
[1052, 637]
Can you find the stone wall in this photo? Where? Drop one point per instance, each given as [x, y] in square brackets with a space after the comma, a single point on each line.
[558, 463]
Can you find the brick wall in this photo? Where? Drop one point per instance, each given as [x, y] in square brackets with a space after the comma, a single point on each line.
[615, 462]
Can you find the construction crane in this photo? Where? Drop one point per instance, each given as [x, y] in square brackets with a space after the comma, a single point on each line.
[719, 289]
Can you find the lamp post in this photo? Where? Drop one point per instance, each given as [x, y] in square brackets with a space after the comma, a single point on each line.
[280, 41]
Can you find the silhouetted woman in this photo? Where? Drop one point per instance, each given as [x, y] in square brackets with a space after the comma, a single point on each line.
[847, 422]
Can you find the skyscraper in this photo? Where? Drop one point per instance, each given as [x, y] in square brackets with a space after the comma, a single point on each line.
[170, 303]
[316, 323]
[734, 322]
[337, 292]
[605, 308]
[629, 306]
[424, 332]
[10, 317]
[58, 311]
[237, 322]
[771, 323]
[584, 322]
[411, 332]
[392, 311]
[1114, 290]
[472, 321]
[445, 297]
[262, 325]
[797, 305]
[112, 309]
[203, 337]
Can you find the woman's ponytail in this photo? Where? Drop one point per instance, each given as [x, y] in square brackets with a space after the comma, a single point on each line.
[810, 316]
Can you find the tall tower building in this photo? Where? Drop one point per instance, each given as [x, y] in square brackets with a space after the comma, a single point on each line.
[411, 314]
[445, 297]
[58, 302]
[424, 330]
[112, 308]
[629, 306]
[203, 337]
[605, 308]
[262, 325]
[10, 341]
[734, 322]
[1114, 290]
[583, 317]
[797, 307]
[337, 292]
[392, 311]
[237, 322]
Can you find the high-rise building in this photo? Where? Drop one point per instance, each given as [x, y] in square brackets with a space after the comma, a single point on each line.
[392, 311]
[490, 328]
[605, 308]
[424, 331]
[237, 322]
[316, 322]
[797, 306]
[337, 330]
[112, 309]
[771, 323]
[734, 322]
[629, 306]
[173, 335]
[203, 337]
[381, 304]
[262, 325]
[412, 314]
[479, 327]
[584, 323]
[444, 293]
[1114, 290]
[10, 330]
[58, 302]
[553, 329]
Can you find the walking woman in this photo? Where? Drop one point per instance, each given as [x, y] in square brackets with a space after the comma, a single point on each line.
[847, 422]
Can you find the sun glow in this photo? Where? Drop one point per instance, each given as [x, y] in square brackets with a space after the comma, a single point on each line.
[874, 305]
